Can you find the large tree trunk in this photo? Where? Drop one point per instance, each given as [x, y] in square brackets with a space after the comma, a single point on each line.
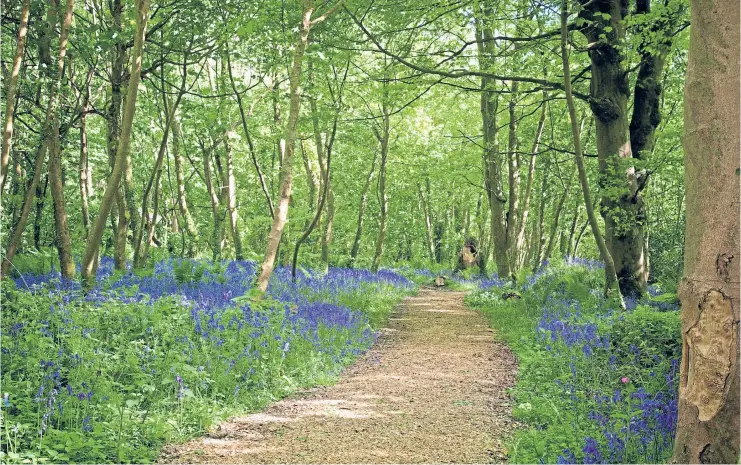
[10, 90]
[708, 417]
[89, 265]
[286, 171]
[361, 212]
[611, 279]
[622, 202]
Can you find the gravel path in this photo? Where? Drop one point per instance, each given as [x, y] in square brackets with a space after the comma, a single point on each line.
[431, 390]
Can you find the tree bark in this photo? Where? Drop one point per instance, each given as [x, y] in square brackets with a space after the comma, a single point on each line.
[361, 212]
[89, 265]
[214, 198]
[38, 219]
[63, 241]
[84, 171]
[622, 202]
[286, 171]
[611, 279]
[231, 195]
[520, 241]
[190, 225]
[708, 415]
[492, 158]
[10, 91]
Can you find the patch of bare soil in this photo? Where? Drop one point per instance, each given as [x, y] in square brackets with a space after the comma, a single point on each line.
[431, 390]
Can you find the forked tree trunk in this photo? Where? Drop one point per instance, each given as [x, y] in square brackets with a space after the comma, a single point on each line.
[89, 265]
[708, 417]
[10, 91]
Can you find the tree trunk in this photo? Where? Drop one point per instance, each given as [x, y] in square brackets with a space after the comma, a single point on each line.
[216, 231]
[539, 243]
[492, 158]
[383, 138]
[47, 135]
[89, 265]
[328, 232]
[231, 195]
[10, 91]
[513, 174]
[253, 154]
[38, 219]
[520, 241]
[63, 241]
[85, 174]
[190, 225]
[708, 416]
[428, 222]
[622, 201]
[286, 171]
[611, 279]
[361, 212]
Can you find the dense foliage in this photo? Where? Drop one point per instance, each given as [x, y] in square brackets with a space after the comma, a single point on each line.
[110, 374]
[596, 384]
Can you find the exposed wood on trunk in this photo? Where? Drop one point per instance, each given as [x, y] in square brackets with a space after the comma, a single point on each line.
[708, 413]
[10, 90]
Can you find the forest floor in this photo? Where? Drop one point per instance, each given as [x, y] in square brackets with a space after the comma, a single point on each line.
[432, 389]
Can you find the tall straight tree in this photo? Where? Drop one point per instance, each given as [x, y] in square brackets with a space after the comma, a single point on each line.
[49, 143]
[708, 417]
[10, 93]
[286, 171]
[90, 260]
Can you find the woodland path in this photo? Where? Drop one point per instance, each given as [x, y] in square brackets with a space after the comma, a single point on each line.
[432, 389]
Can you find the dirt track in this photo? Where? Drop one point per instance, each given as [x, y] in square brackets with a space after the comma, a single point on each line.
[431, 390]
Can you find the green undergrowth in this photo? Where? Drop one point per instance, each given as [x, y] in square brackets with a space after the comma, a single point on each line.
[595, 384]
